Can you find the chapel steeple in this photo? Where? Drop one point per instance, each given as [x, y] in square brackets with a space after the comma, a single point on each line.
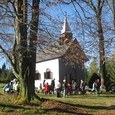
[66, 34]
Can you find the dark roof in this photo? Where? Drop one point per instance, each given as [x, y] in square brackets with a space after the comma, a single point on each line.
[53, 52]
[71, 51]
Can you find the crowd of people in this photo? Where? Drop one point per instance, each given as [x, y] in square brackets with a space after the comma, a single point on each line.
[64, 89]
[48, 88]
[12, 87]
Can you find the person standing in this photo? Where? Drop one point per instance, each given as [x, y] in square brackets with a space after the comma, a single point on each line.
[17, 88]
[44, 82]
[97, 85]
[82, 86]
[93, 87]
[52, 86]
[47, 88]
[64, 88]
[74, 87]
[69, 88]
[58, 89]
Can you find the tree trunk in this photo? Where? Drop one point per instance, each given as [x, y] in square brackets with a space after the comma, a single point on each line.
[33, 42]
[101, 50]
[26, 59]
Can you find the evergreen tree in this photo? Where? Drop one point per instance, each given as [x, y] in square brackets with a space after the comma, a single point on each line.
[93, 68]
[0, 72]
[4, 67]
[86, 75]
[110, 65]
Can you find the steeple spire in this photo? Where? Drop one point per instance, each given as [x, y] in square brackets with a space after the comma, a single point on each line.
[66, 28]
[66, 34]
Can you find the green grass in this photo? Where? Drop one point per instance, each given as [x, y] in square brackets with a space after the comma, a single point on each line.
[1, 86]
[89, 102]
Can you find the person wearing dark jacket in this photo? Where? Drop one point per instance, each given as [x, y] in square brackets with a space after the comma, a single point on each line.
[64, 88]
[52, 86]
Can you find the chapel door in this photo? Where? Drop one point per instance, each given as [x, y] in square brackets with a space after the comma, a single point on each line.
[72, 75]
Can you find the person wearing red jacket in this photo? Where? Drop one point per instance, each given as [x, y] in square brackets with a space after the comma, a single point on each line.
[97, 85]
[69, 88]
[47, 88]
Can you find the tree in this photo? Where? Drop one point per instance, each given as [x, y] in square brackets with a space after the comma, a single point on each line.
[96, 7]
[111, 71]
[4, 67]
[93, 68]
[27, 61]
[110, 74]
[23, 65]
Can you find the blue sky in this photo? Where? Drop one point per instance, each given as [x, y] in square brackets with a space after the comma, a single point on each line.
[2, 61]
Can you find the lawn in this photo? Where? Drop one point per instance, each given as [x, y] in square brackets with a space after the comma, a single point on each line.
[87, 104]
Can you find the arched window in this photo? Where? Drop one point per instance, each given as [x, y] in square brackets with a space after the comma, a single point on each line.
[37, 75]
[48, 74]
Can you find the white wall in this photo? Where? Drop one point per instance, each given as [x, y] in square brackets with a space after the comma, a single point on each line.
[53, 65]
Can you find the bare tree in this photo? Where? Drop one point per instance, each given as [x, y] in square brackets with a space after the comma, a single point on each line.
[23, 55]
[95, 7]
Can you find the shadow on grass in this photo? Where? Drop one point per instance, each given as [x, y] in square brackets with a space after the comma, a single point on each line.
[55, 110]
[11, 106]
[91, 107]
[91, 96]
[21, 109]
[77, 112]
[69, 111]
[77, 109]
[74, 109]
[46, 110]
[19, 106]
